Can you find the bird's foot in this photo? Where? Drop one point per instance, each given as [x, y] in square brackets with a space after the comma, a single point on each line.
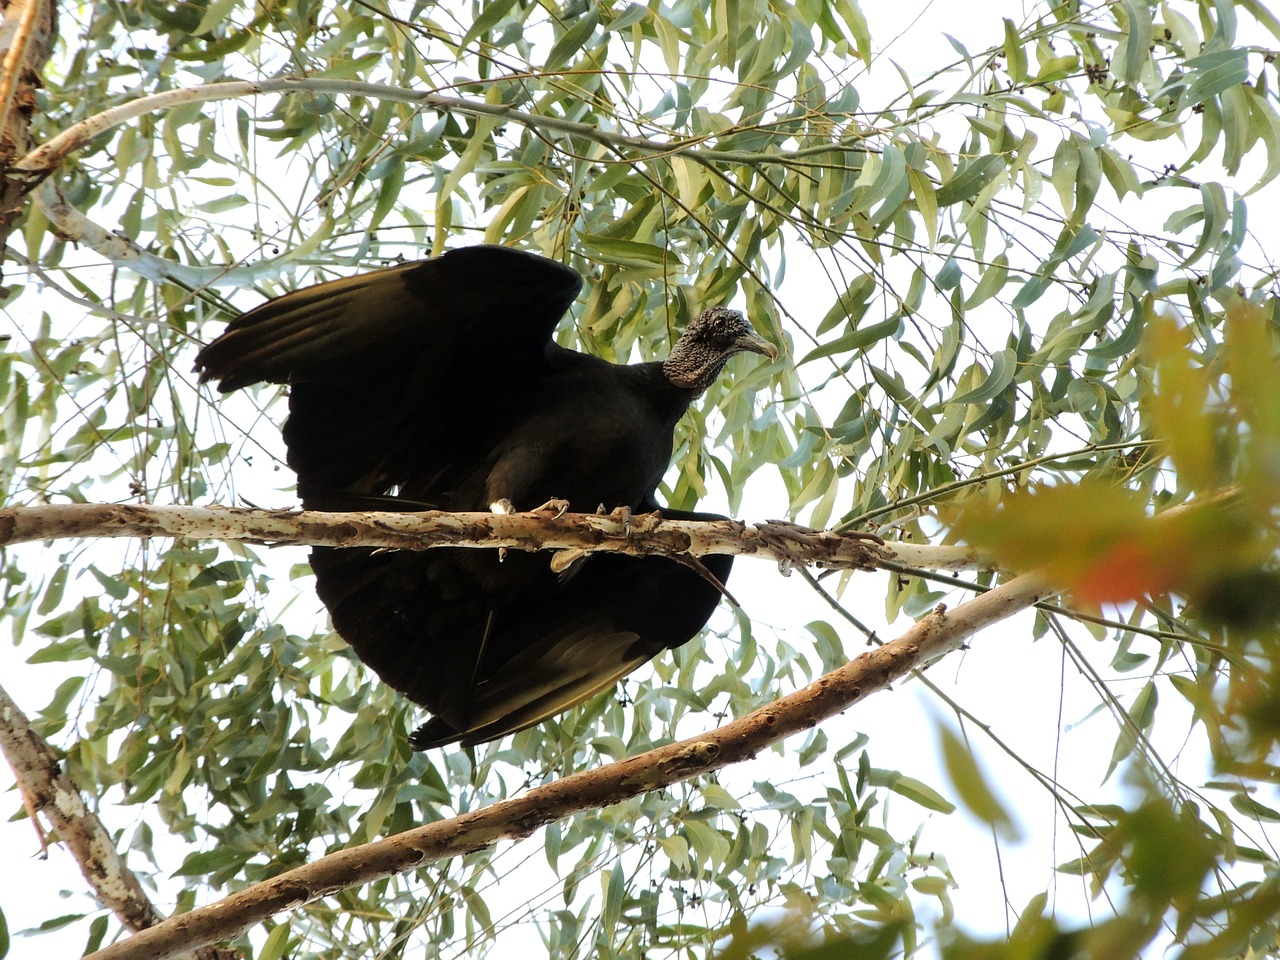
[623, 515]
[797, 546]
[553, 509]
[502, 507]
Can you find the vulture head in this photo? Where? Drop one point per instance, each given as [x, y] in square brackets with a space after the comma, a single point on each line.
[707, 343]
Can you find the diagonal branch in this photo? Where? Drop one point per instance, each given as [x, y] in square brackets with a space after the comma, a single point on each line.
[932, 637]
[47, 790]
[785, 543]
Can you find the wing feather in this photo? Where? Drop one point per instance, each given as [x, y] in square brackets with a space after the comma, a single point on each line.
[400, 373]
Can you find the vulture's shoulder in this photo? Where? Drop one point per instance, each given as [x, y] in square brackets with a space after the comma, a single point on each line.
[403, 374]
[475, 306]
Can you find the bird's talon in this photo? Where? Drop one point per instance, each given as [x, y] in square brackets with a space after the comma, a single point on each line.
[623, 515]
[553, 509]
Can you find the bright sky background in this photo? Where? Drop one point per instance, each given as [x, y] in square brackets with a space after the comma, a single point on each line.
[1024, 689]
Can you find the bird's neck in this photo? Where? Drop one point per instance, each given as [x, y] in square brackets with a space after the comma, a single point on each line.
[669, 400]
[692, 374]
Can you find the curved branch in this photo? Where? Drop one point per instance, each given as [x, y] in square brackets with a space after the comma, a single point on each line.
[39, 163]
[50, 154]
[932, 637]
[47, 790]
[640, 535]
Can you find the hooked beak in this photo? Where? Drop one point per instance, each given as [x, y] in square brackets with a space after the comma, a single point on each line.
[748, 343]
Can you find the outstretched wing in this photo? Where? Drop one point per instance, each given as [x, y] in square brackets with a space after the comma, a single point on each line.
[403, 373]
[491, 648]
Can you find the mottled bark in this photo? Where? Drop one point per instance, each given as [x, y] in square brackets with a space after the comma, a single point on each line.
[571, 533]
[49, 793]
[26, 39]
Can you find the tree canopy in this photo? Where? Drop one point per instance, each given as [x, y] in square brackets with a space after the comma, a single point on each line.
[1029, 335]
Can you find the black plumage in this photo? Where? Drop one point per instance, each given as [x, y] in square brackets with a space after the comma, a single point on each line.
[436, 384]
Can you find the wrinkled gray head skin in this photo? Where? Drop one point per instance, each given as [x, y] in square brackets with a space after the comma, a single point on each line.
[711, 338]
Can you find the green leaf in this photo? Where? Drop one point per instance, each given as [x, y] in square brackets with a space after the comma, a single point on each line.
[212, 861]
[632, 14]
[277, 940]
[949, 277]
[53, 591]
[1215, 73]
[888, 174]
[491, 14]
[1131, 55]
[851, 304]
[214, 14]
[1138, 723]
[856, 341]
[1033, 289]
[926, 203]
[631, 253]
[1015, 56]
[992, 282]
[1003, 367]
[57, 923]
[572, 40]
[1254, 809]
[970, 179]
[615, 887]
[971, 785]
[912, 789]
[718, 797]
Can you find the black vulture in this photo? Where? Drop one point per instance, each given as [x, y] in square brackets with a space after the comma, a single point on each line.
[436, 385]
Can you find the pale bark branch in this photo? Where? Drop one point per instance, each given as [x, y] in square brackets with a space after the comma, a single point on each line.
[641, 535]
[932, 637]
[123, 251]
[53, 152]
[51, 793]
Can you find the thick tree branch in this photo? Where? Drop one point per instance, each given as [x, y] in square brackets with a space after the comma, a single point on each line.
[934, 636]
[27, 34]
[50, 792]
[639, 535]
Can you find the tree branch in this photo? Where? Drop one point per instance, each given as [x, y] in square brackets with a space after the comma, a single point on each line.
[55, 150]
[49, 791]
[123, 251]
[640, 535]
[27, 34]
[932, 637]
